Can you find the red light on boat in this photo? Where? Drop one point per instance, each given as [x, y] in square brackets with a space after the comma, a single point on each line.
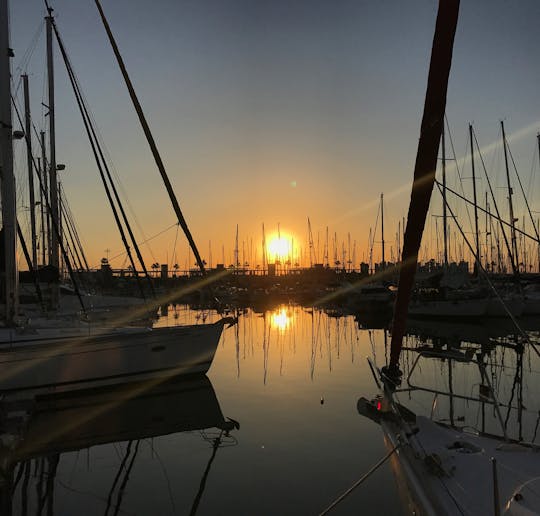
[379, 406]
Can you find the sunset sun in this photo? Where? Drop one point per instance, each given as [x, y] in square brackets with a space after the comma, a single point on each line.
[279, 248]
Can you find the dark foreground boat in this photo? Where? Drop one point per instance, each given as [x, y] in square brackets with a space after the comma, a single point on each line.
[445, 468]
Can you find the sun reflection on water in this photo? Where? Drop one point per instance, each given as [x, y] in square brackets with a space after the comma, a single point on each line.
[282, 318]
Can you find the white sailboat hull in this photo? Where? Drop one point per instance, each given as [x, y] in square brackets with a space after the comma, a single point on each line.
[458, 460]
[52, 363]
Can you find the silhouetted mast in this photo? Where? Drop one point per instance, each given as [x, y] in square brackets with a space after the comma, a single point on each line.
[425, 165]
[382, 230]
[514, 256]
[29, 162]
[150, 139]
[476, 236]
[445, 210]
[7, 185]
[54, 259]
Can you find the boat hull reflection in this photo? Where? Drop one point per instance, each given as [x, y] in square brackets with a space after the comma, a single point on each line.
[34, 430]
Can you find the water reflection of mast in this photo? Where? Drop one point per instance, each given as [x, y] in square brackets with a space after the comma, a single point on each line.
[122, 487]
[329, 343]
[128, 413]
[315, 340]
[266, 344]
[216, 443]
[237, 346]
[518, 382]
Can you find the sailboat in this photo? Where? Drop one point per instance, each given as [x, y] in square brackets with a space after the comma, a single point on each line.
[38, 359]
[445, 468]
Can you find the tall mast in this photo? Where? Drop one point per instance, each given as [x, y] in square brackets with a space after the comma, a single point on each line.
[46, 200]
[538, 223]
[489, 256]
[29, 161]
[445, 210]
[514, 257]
[9, 213]
[382, 231]
[54, 250]
[41, 209]
[236, 250]
[476, 236]
[310, 239]
[150, 139]
[425, 165]
[264, 256]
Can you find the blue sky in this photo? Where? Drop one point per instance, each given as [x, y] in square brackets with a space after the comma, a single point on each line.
[273, 111]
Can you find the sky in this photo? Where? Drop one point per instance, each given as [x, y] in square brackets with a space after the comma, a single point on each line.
[273, 111]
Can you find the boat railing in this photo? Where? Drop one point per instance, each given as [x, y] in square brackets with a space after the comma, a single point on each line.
[488, 396]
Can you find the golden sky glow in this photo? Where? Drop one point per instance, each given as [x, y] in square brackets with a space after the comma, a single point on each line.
[315, 123]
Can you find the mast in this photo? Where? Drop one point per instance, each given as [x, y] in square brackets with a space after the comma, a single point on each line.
[382, 231]
[445, 210]
[8, 191]
[41, 203]
[310, 239]
[29, 161]
[476, 236]
[514, 257]
[538, 223]
[236, 263]
[264, 257]
[54, 249]
[151, 141]
[424, 169]
[45, 190]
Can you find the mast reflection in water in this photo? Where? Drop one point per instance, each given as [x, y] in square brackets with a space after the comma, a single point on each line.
[82, 452]
[166, 448]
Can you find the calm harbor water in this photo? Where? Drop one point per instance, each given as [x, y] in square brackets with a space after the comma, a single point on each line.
[289, 380]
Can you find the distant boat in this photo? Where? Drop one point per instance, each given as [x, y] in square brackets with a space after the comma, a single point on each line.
[445, 469]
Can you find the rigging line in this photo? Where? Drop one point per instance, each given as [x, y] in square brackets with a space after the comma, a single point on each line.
[149, 239]
[150, 139]
[499, 218]
[73, 248]
[67, 224]
[481, 267]
[164, 469]
[68, 215]
[175, 240]
[30, 265]
[361, 479]
[99, 164]
[535, 239]
[53, 222]
[108, 159]
[28, 53]
[524, 196]
[449, 133]
[76, 85]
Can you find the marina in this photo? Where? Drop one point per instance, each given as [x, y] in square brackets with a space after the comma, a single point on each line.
[213, 362]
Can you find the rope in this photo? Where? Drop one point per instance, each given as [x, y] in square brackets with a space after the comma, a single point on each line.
[360, 480]
[148, 239]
